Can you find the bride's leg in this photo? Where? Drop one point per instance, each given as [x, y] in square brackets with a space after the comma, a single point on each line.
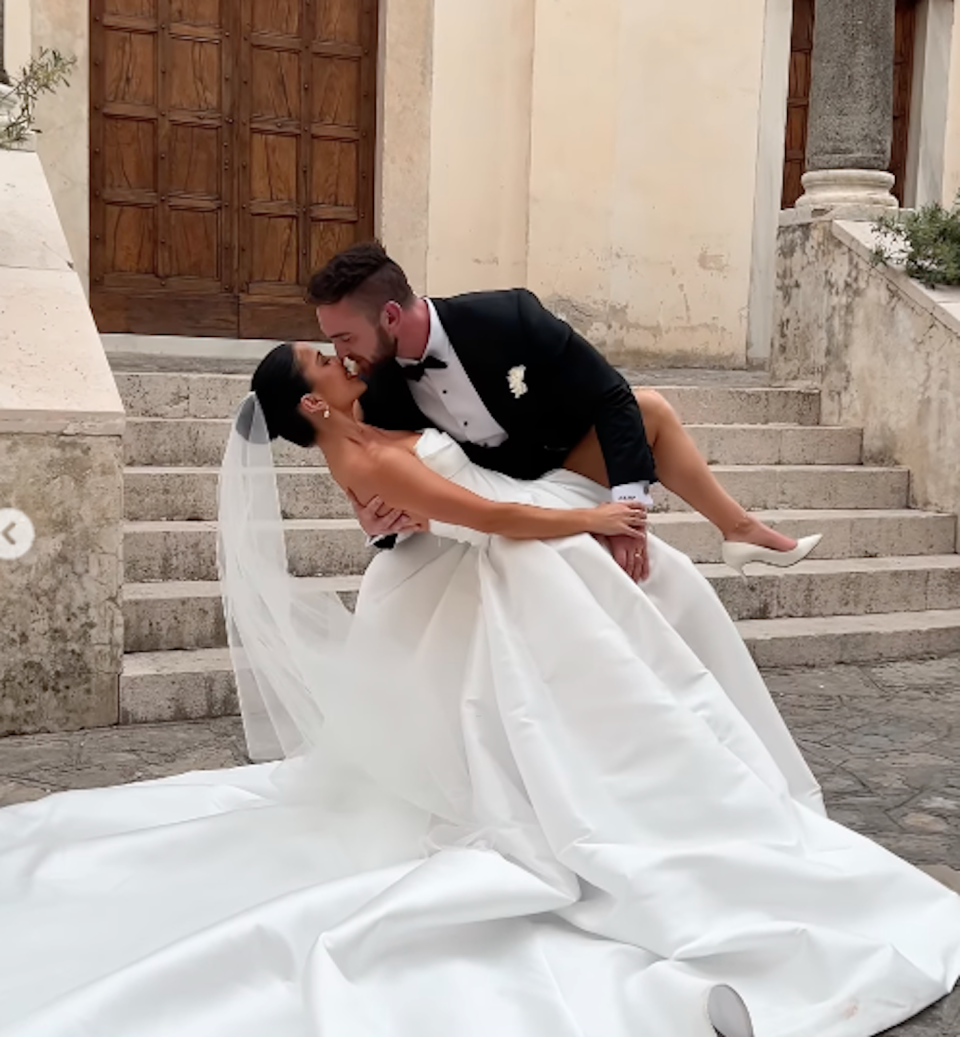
[682, 469]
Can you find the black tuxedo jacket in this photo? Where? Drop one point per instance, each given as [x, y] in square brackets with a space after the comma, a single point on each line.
[570, 389]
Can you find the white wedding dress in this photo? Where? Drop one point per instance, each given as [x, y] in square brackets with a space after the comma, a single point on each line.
[569, 811]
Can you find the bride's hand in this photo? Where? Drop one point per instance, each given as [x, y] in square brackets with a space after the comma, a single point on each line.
[378, 519]
[619, 518]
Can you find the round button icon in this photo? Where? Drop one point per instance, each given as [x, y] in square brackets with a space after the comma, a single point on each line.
[16, 534]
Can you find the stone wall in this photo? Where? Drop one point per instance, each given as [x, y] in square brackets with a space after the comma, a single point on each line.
[61, 636]
[61, 426]
[884, 350]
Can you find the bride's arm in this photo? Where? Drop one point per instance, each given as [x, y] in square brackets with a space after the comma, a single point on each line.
[409, 485]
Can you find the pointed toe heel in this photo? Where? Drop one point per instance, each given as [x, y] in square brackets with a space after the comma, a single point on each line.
[737, 555]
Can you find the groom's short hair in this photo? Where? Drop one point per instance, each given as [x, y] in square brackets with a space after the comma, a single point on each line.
[366, 275]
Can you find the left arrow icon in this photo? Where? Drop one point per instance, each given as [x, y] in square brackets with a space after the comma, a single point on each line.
[16, 534]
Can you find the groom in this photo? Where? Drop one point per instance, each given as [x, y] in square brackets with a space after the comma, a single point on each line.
[516, 387]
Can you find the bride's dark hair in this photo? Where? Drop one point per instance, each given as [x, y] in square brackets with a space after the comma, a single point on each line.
[279, 386]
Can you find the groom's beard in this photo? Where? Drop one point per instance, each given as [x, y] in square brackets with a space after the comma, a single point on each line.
[385, 352]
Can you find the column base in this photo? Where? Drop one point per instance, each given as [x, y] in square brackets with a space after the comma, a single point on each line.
[847, 194]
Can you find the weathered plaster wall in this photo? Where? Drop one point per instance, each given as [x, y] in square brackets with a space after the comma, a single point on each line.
[643, 172]
[480, 144]
[929, 103]
[884, 350]
[404, 103]
[563, 146]
[951, 158]
[16, 35]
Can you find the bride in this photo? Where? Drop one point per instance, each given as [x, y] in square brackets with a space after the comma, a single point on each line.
[522, 795]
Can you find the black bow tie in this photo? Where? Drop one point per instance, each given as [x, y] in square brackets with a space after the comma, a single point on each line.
[416, 371]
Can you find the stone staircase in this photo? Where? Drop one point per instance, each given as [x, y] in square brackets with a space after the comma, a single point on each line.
[885, 582]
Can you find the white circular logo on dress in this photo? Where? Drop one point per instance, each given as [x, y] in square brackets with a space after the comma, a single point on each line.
[16, 534]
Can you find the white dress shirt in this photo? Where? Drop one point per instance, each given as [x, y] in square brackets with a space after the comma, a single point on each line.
[448, 398]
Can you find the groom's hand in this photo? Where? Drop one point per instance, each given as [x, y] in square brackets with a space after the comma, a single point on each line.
[378, 520]
[630, 554]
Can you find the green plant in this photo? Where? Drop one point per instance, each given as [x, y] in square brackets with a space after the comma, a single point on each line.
[925, 241]
[45, 72]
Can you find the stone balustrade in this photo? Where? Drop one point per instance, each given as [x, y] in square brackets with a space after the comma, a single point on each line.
[883, 349]
[61, 426]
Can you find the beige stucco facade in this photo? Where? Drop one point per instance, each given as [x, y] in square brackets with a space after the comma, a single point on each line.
[619, 157]
[565, 149]
[16, 33]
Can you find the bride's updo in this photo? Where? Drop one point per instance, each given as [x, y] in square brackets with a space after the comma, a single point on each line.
[280, 387]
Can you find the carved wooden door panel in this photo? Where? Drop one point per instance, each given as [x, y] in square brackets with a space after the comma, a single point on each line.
[306, 145]
[906, 32]
[162, 184]
[232, 149]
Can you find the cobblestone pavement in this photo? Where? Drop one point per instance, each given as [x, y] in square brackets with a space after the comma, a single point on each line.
[884, 741]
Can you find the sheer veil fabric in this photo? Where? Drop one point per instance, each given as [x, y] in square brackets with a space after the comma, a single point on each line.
[309, 673]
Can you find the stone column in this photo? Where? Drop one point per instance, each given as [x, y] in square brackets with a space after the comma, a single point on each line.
[851, 109]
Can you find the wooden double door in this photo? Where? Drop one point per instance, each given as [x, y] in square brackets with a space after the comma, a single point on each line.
[798, 101]
[232, 153]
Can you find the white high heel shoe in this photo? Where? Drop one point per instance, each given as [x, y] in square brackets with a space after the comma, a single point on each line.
[737, 554]
[728, 1014]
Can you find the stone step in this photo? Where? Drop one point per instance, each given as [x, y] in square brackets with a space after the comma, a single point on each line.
[830, 640]
[190, 395]
[156, 551]
[768, 487]
[186, 615]
[839, 587]
[196, 441]
[754, 406]
[187, 494]
[164, 686]
[202, 441]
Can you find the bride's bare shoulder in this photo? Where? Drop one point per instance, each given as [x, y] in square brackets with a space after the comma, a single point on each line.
[371, 465]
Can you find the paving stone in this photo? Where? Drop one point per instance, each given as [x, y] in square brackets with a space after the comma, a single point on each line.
[32, 766]
[922, 676]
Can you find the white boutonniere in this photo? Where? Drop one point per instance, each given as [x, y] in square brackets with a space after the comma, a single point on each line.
[515, 379]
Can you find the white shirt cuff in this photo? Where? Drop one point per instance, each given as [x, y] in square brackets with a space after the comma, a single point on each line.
[639, 491]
